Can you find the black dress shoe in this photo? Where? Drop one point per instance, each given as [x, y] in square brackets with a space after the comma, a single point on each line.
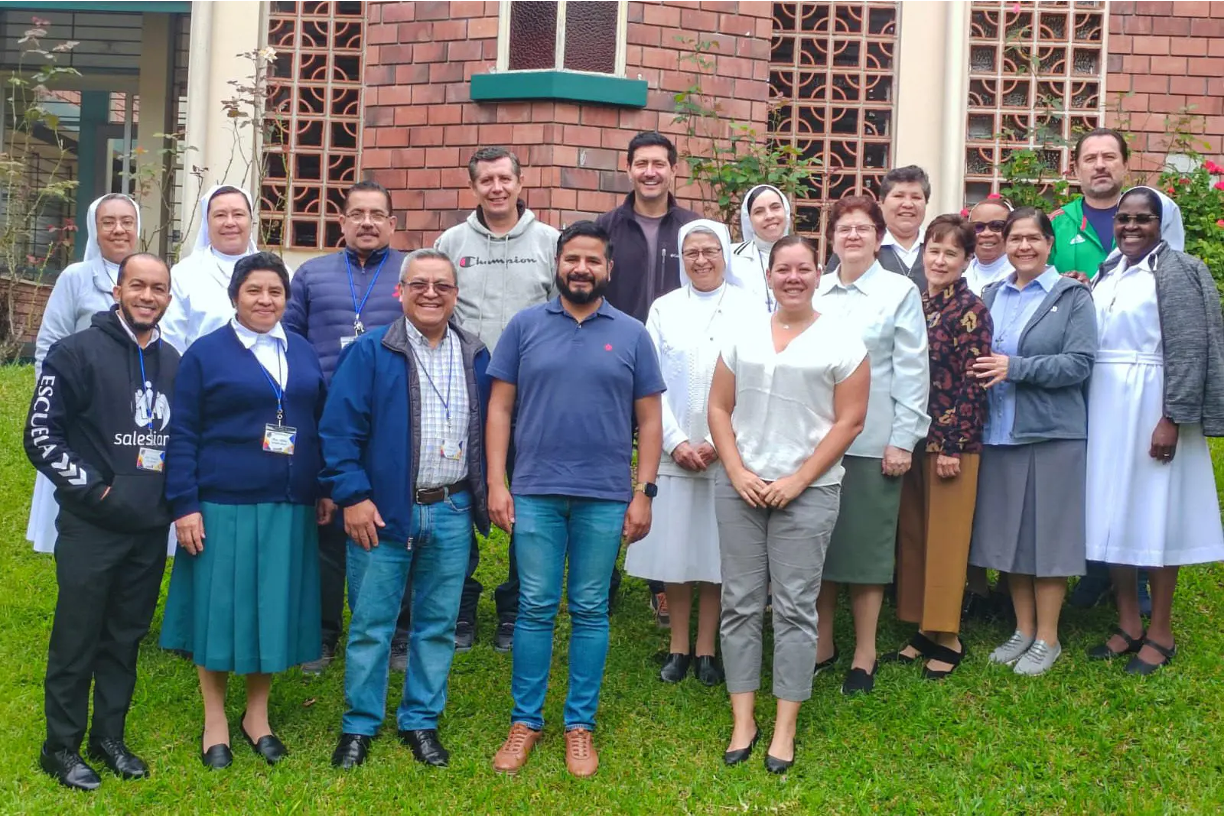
[778, 766]
[465, 636]
[828, 662]
[503, 638]
[675, 667]
[67, 768]
[741, 754]
[115, 755]
[268, 746]
[352, 751]
[859, 681]
[426, 747]
[217, 756]
[707, 671]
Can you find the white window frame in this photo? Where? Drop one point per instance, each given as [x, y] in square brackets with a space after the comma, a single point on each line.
[503, 40]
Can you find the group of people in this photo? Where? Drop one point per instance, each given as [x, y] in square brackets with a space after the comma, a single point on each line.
[760, 428]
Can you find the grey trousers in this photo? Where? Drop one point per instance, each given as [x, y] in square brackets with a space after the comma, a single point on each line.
[786, 547]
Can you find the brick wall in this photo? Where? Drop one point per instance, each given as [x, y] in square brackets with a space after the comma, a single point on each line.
[421, 125]
[1165, 57]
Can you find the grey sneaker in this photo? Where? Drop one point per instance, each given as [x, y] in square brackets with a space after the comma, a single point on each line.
[1012, 650]
[399, 656]
[1039, 658]
[326, 655]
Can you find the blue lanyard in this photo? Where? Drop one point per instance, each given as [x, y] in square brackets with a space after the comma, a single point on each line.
[450, 370]
[143, 380]
[357, 307]
[276, 389]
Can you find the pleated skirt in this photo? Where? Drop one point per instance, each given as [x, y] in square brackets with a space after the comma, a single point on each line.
[249, 602]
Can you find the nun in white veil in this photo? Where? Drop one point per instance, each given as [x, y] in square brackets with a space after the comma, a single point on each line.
[112, 229]
[199, 283]
[765, 216]
[1172, 230]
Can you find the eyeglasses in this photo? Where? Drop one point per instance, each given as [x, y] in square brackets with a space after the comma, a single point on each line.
[1142, 219]
[376, 216]
[705, 252]
[109, 224]
[854, 229]
[994, 226]
[420, 287]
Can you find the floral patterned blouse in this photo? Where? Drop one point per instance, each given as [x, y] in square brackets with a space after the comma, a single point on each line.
[959, 331]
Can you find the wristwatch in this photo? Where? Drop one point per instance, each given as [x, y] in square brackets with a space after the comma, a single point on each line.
[650, 489]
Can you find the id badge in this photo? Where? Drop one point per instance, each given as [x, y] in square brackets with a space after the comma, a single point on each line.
[452, 449]
[279, 439]
[151, 459]
[345, 342]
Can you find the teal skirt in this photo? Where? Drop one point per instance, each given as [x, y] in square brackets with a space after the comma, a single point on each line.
[249, 602]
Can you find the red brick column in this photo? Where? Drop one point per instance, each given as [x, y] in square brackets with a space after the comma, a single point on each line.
[421, 125]
[1165, 57]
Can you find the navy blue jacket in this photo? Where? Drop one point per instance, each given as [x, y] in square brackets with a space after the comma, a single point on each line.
[321, 303]
[633, 288]
[222, 401]
[371, 427]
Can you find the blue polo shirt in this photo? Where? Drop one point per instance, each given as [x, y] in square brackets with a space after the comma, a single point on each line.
[576, 385]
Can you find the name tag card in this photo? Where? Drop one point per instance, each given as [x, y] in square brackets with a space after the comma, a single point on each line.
[151, 459]
[345, 342]
[452, 449]
[279, 439]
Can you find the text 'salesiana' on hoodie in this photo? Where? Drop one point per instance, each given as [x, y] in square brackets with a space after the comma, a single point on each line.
[500, 276]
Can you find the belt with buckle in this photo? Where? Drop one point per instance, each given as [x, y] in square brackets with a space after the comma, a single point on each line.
[433, 495]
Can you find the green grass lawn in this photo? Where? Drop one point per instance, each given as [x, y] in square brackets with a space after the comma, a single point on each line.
[1085, 738]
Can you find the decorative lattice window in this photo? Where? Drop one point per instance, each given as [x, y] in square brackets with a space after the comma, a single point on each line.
[1036, 80]
[586, 36]
[314, 121]
[833, 76]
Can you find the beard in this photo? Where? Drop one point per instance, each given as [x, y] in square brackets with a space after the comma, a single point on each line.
[582, 297]
[133, 323]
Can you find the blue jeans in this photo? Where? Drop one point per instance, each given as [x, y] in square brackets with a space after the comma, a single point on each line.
[441, 538]
[547, 531]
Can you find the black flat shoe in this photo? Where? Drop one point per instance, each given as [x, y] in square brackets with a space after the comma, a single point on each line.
[707, 671]
[919, 643]
[778, 766]
[111, 752]
[426, 748]
[675, 667]
[1102, 651]
[351, 752]
[944, 655]
[67, 768]
[741, 754]
[268, 747]
[217, 756]
[1144, 668]
[859, 681]
[827, 663]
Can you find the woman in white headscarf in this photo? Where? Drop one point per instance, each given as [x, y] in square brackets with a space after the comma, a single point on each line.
[765, 216]
[113, 230]
[199, 283]
[688, 327]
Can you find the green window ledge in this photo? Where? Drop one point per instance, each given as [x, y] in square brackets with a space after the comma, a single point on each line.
[567, 86]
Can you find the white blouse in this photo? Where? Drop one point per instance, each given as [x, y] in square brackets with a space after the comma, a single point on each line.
[980, 275]
[200, 303]
[784, 401]
[689, 328]
[268, 348]
[887, 311]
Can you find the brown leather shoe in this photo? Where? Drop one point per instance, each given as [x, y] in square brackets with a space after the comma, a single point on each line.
[580, 756]
[514, 751]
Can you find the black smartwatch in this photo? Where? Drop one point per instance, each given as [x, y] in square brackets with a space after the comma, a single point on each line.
[650, 489]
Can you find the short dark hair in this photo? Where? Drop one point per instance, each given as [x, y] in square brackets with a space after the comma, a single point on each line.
[492, 154]
[855, 203]
[258, 262]
[367, 186]
[652, 138]
[955, 226]
[794, 239]
[1153, 199]
[226, 190]
[123, 265]
[911, 174]
[585, 229]
[1030, 214]
[1123, 148]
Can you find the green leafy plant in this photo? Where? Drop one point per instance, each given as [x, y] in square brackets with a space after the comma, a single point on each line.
[727, 158]
[1197, 185]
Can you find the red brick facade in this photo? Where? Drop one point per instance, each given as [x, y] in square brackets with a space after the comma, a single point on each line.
[421, 125]
[1165, 58]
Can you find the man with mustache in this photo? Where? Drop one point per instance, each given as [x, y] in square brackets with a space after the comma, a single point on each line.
[644, 231]
[1083, 227]
[505, 261]
[579, 373]
[336, 299]
[96, 429]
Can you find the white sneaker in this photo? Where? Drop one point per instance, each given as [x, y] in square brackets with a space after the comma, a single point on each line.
[1012, 650]
[1039, 658]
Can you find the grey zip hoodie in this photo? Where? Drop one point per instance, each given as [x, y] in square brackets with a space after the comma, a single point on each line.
[500, 276]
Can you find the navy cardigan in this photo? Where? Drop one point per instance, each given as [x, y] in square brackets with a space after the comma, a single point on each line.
[222, 401]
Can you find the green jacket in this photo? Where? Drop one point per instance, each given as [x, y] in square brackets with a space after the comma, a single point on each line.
[1076, 245]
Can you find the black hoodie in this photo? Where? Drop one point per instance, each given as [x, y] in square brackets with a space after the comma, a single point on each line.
[92, 415]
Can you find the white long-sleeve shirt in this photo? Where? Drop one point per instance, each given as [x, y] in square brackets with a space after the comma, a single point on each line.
[81, 290]
[888, 310]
